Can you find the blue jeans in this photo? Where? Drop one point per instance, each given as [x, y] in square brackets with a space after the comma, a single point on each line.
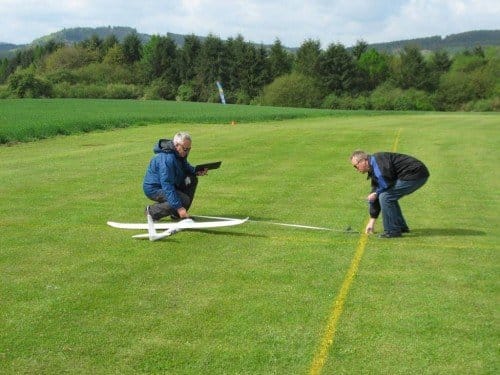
[392, 216]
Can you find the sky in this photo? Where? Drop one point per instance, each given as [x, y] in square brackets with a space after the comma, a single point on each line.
[258, 21]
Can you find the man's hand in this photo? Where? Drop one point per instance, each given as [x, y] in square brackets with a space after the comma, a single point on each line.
[182, 212]
[370, 227]
[371, 197]
[203, 172]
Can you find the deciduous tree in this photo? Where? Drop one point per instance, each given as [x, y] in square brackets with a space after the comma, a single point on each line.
[373, 68]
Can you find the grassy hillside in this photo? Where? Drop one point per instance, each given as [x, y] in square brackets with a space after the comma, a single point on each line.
[81, 297]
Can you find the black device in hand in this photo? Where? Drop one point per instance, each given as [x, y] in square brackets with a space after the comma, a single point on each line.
[213, 165]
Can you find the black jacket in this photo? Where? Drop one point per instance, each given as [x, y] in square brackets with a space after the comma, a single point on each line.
[388, 167]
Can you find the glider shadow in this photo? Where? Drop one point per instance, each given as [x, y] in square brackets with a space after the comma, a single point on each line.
[228, 233]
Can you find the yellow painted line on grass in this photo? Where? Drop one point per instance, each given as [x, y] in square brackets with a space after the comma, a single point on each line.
[338, 305]
[396, 141]
[329, 335]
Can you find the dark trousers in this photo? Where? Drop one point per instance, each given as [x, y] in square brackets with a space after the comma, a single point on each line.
[392, 215]
[185, 193]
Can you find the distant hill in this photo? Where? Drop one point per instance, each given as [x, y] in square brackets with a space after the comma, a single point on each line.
[79, 34]
[9, 49]
[9, 46]
[451, 43]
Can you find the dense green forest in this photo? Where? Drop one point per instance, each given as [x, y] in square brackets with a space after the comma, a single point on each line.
[336, 77]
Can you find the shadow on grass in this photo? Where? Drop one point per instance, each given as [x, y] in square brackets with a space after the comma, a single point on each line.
[228, 233]
[176, 238]
[429, 232]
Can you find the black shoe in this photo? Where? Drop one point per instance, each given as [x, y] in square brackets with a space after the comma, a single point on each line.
[147, 212]
[175, 217]
[405, 230]
[389, 235]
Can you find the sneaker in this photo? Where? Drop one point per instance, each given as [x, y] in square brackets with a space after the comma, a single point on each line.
[389, 235]
[175, 217]
[405, 230]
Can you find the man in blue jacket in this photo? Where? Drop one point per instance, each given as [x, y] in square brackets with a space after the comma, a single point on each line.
[392, 177]
[170, 180]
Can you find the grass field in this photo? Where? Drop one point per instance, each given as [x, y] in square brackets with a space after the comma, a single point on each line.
[24, 120]
[80, 297]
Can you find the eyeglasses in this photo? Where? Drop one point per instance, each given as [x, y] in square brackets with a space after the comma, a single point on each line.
[186, 149]
[355, 165]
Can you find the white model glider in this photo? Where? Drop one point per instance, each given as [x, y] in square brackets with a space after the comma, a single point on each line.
[173, 227]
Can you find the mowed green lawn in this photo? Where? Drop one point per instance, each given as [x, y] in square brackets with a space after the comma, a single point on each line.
[80, 297]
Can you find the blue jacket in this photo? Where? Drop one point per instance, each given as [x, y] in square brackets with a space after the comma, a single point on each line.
[166, 172]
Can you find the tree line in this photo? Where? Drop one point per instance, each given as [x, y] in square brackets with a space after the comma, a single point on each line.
[335, 77]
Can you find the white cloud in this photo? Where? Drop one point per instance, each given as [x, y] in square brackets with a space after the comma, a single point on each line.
[423, 18]
[292, 21]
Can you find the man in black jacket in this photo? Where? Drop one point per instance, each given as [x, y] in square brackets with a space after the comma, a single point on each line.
[392, 177]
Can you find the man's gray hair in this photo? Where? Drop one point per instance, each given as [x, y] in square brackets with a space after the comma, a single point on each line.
[180, 137]
[358, 155]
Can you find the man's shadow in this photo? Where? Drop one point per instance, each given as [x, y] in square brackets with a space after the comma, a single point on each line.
[428, 232]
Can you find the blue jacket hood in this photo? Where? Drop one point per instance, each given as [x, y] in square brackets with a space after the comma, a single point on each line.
[166, 146]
